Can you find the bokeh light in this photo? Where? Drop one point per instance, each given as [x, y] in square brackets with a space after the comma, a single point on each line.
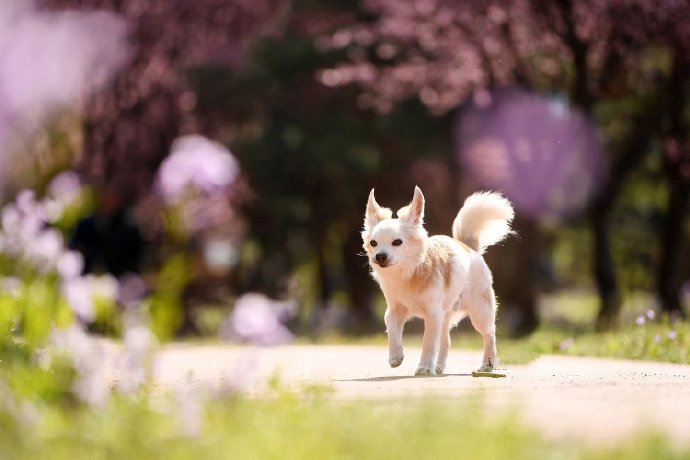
[543, 154]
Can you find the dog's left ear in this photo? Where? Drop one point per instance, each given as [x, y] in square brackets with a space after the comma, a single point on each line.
[413, 213]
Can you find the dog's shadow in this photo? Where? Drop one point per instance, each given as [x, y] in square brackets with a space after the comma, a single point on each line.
[392, 378]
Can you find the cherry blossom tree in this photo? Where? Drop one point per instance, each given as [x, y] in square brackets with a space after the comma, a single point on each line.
[445, 53]
[130, 127]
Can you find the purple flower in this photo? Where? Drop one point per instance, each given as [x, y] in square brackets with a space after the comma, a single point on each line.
[672, 335]
[132, 290]
[50, 60]
[256, 320]
[640, 320]
[199, 162]
[649, 314]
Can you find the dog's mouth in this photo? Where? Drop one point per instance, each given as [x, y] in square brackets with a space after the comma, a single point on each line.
[383, 264]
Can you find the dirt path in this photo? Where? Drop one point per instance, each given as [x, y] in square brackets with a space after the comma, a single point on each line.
[597, 400]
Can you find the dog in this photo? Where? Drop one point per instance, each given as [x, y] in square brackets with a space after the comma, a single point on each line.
[437, 278]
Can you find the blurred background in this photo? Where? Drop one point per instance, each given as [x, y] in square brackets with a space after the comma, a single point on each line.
[197, 153]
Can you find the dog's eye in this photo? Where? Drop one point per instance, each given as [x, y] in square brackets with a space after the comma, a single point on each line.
[397, 242]
[373, 243]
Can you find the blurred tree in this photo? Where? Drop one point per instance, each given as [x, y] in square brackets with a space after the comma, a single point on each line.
[444, 52]
[311, 155]
[130, 127]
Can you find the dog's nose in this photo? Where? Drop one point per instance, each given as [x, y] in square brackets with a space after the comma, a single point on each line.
[381, 258]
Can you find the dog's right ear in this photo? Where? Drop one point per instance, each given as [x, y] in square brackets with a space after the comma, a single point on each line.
[375, 213]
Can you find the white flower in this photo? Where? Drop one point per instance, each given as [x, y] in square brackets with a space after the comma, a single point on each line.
[103, 286]
[65, 188]
[92, 384]
[190, 406]
[45, 250]
[70, 264]
[78, 294]
[138, 343]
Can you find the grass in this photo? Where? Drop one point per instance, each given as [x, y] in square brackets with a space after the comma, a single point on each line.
[568, 328]
[311, 426]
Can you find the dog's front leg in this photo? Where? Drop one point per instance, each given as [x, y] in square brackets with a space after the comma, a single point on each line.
[445, 345]
[395, 322]
[433, 324]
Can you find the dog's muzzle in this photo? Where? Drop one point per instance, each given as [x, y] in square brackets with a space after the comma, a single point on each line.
[381, 259]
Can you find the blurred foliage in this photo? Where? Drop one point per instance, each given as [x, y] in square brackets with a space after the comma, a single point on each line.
[288, 427]
[322, 101]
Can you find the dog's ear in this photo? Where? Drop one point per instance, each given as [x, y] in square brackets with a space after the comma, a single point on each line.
[413, 213]
[375, 213]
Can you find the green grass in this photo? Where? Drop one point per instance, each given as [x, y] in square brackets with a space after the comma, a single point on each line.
[308, 427]
[568, 328]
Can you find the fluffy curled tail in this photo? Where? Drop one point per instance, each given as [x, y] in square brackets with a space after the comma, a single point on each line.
[483, 220]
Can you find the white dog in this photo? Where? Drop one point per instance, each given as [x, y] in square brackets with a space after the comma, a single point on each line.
[437, 278]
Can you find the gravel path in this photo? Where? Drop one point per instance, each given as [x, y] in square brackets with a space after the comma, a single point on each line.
[596, 400]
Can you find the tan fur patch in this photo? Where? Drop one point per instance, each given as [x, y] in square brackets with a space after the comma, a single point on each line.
[437, 262]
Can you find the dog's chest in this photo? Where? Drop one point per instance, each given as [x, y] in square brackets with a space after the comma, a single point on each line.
[404, 295]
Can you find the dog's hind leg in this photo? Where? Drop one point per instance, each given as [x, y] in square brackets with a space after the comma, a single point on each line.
[445, 345]
[483, 316]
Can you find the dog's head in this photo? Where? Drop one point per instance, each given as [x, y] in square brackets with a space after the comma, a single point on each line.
[398, 241]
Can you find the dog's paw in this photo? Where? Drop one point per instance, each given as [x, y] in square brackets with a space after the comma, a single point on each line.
[396, 360]
[486, 368]
[425, 371]
[439, 370]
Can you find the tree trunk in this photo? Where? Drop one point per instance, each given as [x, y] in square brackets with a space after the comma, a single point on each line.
[669, 280]
[360, 287]
[604, 272]
[515, 277]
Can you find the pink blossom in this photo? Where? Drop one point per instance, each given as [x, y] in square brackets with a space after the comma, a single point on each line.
[50, 59]
[256, 319]
[132, 290]
[543, 154]
[199, 162]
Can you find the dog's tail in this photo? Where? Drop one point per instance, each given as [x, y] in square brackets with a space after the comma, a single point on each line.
[483, 220]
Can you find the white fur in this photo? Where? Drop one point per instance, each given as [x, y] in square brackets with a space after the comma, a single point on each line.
[441, 303]
[483, 220]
